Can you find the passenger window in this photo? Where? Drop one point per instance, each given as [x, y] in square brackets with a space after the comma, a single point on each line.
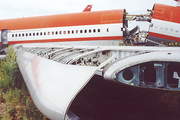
[37, 34]
[56, 32]
[44, 33]
[177, 30]
[68, 32]
[85, 31]
[72, 31]
[94, 30]
[99, 30]
[26, 34]
[40, 33]
[76, 31]
[48, 33]
[19, 35]
[33, 34]
[23, 34]
[12, 35]
[171, 29]
[81, 31]
[64, 32]
[29, 34]
[166, 27]
[89, 30]
[60, 32]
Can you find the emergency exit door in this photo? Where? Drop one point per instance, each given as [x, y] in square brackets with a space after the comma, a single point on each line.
[4, 36]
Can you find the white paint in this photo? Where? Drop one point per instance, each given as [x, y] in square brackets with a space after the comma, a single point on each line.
[53, 86]
[165, 28]
[114, 30]
[26, 8]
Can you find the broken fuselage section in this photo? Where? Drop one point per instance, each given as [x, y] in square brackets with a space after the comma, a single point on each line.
[136, 36]
[164, 27]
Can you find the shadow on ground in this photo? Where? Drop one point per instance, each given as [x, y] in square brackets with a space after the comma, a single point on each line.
[104, 100]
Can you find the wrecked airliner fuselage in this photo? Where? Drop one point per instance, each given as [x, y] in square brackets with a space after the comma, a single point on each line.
[56, 74]
[164, 25]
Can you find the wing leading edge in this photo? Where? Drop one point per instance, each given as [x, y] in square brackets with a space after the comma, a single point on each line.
[52, 85]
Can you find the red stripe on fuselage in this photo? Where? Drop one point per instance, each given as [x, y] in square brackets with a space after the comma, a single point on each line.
[166, 13]
[164, 36]
[67, 40]
[64, 20]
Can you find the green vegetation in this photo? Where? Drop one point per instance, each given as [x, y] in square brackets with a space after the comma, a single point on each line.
[15, 100]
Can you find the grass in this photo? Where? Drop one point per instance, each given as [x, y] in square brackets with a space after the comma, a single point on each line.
[15, 100]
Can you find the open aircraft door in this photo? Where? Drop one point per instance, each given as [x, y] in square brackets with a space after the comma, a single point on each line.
[4, 36]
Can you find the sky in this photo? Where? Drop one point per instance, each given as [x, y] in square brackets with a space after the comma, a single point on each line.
[28, 8]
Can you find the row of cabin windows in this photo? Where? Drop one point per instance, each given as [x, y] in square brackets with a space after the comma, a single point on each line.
[168, 28]
[56, 32]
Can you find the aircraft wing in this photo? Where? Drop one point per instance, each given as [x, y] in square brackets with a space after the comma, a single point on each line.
[56, 74]
[52, 85]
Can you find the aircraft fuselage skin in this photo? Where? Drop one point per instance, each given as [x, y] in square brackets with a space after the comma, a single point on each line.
[165, 26]
[85, 26]
[100, 27]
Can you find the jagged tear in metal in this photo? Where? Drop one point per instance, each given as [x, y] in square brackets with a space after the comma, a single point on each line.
[55, 74]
